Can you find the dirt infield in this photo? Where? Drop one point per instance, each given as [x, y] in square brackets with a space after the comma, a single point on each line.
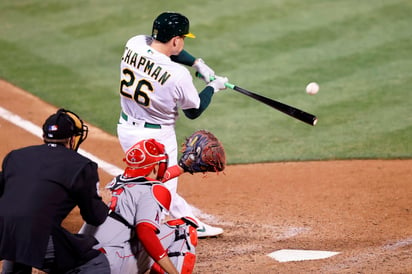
[361, 209]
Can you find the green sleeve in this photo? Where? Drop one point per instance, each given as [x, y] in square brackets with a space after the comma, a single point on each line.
[205, 99]
[184, 58]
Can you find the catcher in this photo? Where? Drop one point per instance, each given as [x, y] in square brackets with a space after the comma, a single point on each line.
[135, 237]
[202, 152]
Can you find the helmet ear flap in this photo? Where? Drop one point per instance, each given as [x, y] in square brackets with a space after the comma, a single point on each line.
[162, 168]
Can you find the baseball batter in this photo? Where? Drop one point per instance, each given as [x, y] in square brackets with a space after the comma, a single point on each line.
[134, 237]
[154, 84]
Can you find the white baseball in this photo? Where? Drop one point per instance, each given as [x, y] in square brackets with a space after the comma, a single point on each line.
[312, 88]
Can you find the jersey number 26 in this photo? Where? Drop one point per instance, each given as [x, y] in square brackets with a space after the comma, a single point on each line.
[141, 92]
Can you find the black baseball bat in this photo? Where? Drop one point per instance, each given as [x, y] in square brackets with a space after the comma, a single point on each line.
[289, 110]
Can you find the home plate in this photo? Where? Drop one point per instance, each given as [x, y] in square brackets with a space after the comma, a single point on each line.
[289, 255]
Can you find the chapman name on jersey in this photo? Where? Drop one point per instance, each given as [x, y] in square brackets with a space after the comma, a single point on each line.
[145, 65]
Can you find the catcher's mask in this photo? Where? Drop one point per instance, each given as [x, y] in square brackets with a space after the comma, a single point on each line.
[143, 157]
[62, 125]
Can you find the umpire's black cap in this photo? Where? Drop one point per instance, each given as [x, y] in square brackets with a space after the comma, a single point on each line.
[59, 126]
[170, 24]
[65, 124]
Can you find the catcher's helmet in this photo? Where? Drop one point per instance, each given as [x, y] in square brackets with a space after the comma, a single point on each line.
[62, 125]
[142, 158]
[170, 24]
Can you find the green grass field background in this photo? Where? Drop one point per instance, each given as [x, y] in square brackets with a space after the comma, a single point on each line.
[360, 52]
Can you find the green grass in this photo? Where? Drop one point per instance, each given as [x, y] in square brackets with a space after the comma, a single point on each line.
[68, 53]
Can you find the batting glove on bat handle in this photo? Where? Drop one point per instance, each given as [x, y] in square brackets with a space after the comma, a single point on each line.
[204, 70]
[218, 83]
[227, 84]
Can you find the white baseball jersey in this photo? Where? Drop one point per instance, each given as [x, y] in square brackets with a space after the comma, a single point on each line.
[153, 87]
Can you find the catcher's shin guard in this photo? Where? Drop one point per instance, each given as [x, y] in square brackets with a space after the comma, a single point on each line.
[185, 265]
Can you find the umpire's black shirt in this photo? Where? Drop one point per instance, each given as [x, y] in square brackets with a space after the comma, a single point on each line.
[40, 185]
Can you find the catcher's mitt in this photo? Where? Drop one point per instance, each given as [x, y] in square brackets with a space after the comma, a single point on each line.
[202, 152]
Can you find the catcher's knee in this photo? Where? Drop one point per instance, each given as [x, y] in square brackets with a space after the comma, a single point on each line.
[184, 220]
[186, 229]
[182, 250]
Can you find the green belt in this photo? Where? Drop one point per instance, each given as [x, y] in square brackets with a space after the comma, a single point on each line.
[146, 124]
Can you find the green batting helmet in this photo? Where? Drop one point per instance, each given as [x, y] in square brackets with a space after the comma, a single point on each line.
[170, 24]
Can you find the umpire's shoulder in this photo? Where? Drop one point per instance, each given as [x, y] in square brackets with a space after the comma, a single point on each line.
[82, 160]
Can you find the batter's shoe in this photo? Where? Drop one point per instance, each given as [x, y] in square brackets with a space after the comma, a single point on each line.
[204, 230]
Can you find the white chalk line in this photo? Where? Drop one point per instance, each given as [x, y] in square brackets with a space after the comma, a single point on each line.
[37, 131]
[207, 217]
[367, 256]
[398, 244]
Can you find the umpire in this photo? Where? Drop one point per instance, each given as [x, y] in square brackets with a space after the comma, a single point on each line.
[39, 187]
